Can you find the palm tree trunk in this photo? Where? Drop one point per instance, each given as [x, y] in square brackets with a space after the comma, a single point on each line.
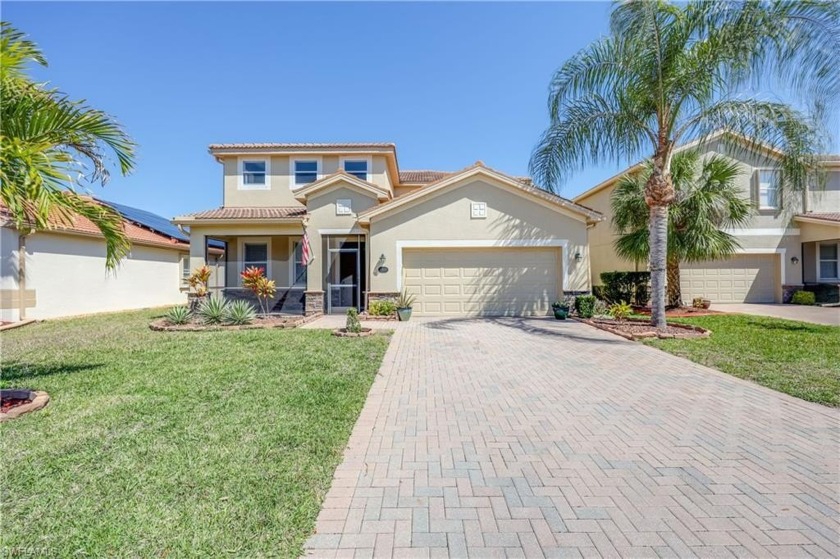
[658, 252]
[674, 292]
[659, 194]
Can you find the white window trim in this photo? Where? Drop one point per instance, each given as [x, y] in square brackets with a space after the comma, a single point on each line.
[548, 243]
[366, 158]
[474, 210]
[319, 169]
[819, 260]
[758, 171]
[346, 202]
[293, 262]
[240, 254]
[241, 177]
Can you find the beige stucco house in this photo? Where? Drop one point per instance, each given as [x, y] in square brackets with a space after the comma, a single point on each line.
[61, 271]
[471, 242]
[790, 243]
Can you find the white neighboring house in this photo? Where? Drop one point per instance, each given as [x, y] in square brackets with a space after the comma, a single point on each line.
[62, 271]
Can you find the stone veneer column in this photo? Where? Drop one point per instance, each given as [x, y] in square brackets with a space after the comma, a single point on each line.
[313, 303]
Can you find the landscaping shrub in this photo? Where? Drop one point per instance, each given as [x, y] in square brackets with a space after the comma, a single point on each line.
[585, 305]
[178, 315]
[803, 298]
[213, 310]
[620, 311]
[353, 325]
[241, 312]
[263, 288]
[382, 307]
[625, 286]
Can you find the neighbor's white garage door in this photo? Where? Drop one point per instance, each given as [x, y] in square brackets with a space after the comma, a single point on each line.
[490, 281]
[747, 278]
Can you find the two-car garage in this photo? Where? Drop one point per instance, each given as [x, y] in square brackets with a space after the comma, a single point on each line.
[497, 281]
[745, 278]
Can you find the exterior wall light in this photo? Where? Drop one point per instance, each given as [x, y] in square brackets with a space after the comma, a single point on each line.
[794, 260]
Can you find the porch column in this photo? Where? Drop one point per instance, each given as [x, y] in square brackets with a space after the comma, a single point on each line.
[314, 294]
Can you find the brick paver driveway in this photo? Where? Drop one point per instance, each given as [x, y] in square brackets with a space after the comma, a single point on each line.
[511, 438]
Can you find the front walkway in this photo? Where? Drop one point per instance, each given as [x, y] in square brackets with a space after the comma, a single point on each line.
[515, 438]
[804, 313]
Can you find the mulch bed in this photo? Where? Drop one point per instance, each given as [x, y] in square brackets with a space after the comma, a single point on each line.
[638, 329]
[681, 312]
[12, 405]
[7, 404]
[271, 321]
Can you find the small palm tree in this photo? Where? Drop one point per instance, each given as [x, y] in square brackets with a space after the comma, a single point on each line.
[707, 200]
[46, 140]
[670, 73]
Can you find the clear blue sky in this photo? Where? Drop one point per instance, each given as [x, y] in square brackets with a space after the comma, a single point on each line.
[448, 83]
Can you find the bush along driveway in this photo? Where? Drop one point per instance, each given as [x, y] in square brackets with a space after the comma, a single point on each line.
[175, 444]
[797, 358]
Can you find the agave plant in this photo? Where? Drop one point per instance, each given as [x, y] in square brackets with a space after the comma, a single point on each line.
[178, 315]
[214, 310]
[241, 312]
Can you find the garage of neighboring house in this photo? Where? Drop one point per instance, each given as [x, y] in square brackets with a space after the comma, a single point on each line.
[745, 278]
[483, 281]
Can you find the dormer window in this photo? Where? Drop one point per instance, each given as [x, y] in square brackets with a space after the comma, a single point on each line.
[254, 174]
[305, 171]
[357, 167]
[768, 189]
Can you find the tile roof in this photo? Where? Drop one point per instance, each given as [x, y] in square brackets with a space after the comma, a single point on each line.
[304, 145]
[833, 217]
[136, 233]
[278, 212]
[422, 176]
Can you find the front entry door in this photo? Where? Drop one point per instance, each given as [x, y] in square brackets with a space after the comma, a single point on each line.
[345, 256]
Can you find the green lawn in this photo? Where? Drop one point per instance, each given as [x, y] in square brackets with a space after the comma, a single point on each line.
[797, 358]
[168, 444]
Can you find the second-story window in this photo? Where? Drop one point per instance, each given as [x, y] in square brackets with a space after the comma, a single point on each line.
[768, 189]
[357, 167]
[254, 173]
[306, 171]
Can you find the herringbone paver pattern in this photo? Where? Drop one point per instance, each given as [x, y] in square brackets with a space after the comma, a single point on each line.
[537, 438]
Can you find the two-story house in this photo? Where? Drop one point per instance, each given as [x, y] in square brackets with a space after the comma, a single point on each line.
[792, 241]
[471, 242]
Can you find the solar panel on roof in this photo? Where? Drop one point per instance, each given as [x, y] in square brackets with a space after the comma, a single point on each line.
[154, 222]
[150, 220]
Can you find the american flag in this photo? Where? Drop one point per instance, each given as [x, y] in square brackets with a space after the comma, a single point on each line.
[306, 250]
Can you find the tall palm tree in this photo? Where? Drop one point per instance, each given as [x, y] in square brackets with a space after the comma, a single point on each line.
[50, 145]
[667, 74]
[707, 200]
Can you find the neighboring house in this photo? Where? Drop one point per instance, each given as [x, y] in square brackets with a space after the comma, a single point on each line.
[789, 244]
[472, 242]
[61, 271]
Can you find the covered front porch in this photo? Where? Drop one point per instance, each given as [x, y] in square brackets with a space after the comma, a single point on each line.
[333, 280]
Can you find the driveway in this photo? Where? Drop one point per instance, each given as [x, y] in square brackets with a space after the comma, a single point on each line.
[804, 313]
[534, 437]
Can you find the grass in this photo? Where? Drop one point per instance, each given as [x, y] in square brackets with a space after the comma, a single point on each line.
[796, 358]
[173, 444]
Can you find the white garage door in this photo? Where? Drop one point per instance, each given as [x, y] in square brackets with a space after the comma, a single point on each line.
[747, 278]
[491, 281]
